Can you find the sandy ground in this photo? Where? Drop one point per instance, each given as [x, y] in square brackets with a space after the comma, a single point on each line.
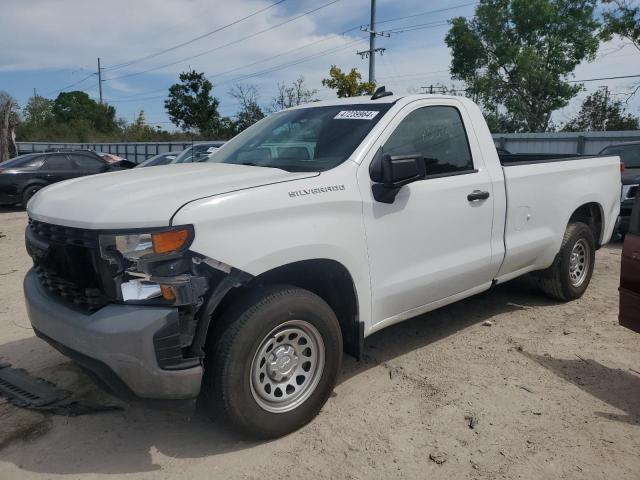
[554, 389]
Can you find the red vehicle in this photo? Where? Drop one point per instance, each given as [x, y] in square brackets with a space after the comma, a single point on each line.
[630, 273]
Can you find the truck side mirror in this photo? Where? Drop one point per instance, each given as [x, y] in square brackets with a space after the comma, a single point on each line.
[391, 172]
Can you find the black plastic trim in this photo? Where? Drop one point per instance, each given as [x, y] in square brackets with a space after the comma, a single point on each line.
[549, 160]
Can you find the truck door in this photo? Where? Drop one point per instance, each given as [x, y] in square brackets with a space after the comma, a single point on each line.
[630, 273]
[434, 240]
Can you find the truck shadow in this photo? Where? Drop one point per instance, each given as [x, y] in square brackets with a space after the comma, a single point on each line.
[618, 388]
[11, 208]
[129, 441]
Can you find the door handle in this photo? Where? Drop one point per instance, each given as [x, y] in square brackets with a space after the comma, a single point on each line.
[477, 195]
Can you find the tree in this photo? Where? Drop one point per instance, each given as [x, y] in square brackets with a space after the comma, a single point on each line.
[38, 110]
[190, 104]
[623, 21]
[598, 113]
[518, 54]
[8, 120]
[292, 95]
[250, 112]
[348, 84]
[80, 109]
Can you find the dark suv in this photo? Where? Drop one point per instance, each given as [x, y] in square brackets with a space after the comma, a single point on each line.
[23, 176]
[630, 273]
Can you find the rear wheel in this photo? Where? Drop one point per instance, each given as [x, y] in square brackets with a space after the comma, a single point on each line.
[570, 274]
[28, 193]
[274, 361]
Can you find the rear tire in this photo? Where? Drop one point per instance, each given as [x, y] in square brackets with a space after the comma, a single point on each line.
[274, 360]
[569, 276]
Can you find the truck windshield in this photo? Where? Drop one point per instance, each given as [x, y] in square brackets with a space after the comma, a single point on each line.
[311, 139]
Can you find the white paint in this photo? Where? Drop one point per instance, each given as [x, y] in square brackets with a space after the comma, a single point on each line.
[429, 248]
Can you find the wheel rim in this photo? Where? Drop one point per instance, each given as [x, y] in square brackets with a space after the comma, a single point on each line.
[579, 262]
[287, 366]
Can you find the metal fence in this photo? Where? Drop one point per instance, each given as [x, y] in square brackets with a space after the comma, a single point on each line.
[134, 151]
[582, 143]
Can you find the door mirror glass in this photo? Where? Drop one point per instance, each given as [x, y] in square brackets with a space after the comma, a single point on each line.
[391, 172]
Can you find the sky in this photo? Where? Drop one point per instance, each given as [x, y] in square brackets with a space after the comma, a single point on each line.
[53, 46]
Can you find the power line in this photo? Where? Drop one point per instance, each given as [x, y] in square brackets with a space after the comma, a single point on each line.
[52, 92]
[259, 73]
[309, 12]
[603, 78]
[294, 62]
[429, 12]
[303, 59]
[419, 26]
[195, 39]
[241, 67]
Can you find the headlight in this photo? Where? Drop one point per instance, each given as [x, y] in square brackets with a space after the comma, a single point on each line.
[128, 250]
[136, 246]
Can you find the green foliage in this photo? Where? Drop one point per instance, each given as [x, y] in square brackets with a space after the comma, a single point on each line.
[599, 113]
[38, 110]
[78, 107]
[348, 84]
[190, 105]
[72, 117]
[622, 20]
[517, 55]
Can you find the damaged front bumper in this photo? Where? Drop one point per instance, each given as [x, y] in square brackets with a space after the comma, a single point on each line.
[118, 344]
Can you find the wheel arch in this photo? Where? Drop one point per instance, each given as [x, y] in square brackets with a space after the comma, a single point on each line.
[592, 214]
[329, 279]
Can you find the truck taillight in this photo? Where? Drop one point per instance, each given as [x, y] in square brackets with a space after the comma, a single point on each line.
[621, 167]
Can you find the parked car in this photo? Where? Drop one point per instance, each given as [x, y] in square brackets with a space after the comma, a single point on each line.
[23, 176]
[199, 152]
[630, 273]
[110, 157]
[160, 159]
[629, 154]
[244, 283]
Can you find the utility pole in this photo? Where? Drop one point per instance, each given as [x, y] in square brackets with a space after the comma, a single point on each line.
[35, 95]
[604, 107]
[371, 53]
[100, 79]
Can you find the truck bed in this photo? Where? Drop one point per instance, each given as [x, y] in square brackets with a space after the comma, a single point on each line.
[541, 195]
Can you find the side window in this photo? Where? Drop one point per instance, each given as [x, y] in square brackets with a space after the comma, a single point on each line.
[58, 162]
[438, 134]
[86, 162]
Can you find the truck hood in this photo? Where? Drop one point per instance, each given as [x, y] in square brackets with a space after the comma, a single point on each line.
[145, 197]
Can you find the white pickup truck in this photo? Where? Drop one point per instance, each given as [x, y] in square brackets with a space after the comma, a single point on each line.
[243, 279]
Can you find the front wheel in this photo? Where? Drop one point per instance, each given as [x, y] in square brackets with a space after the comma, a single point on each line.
[569, 276]
[274, 361]
[28, 193]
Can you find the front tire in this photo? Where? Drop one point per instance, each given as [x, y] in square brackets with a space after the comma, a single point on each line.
[569, 276]
[28, 193]
[274, 361]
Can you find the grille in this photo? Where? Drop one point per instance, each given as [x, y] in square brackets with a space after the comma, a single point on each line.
[632, 192]
[86, 298]
[64, 235]
[70, 265]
